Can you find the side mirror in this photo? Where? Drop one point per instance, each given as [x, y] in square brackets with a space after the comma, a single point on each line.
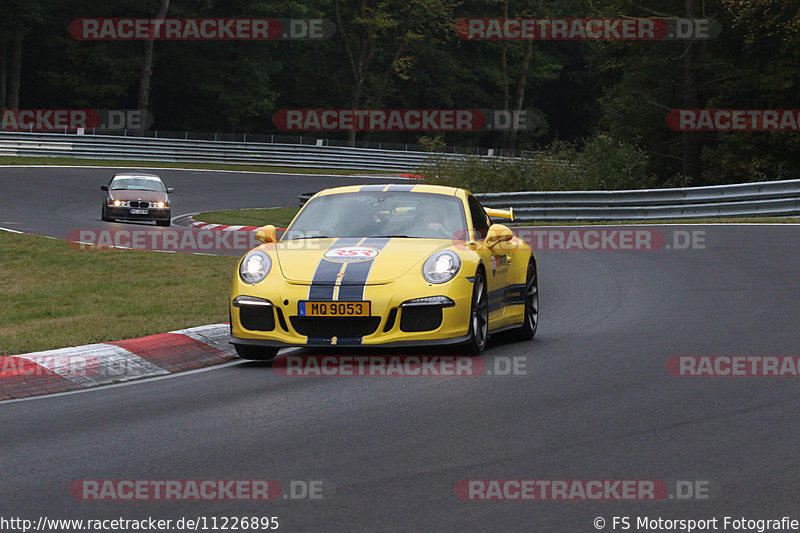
[170, 189]
[104, 187]
[498, 233]
[267, 234]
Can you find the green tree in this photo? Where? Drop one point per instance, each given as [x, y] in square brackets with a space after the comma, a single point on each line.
[375, 36]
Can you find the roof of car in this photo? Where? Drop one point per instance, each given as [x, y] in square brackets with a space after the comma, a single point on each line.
[393, 187]
[136, 175]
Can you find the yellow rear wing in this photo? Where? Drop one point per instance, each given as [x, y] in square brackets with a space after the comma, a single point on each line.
[500, 213]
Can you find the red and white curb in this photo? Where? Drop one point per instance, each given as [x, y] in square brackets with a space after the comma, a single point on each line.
[195, 224]
[218, 227]
[82, 367]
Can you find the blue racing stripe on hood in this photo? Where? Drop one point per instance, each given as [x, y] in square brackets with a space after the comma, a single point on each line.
[357, 274]
[322, 284]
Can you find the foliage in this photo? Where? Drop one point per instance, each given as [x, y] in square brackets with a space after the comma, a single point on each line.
[607, 100]
[603, 164]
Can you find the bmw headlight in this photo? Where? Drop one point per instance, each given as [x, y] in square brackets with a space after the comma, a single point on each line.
[441, 267]
[255, 267]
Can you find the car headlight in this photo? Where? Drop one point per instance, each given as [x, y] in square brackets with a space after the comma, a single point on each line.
[119, 203]
[441, 267]
[254, 267]
[161, 204]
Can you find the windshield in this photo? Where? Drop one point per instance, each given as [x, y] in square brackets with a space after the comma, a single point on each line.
[380, 214]
[137, 184]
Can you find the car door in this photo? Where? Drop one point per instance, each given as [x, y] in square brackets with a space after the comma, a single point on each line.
[494, 260]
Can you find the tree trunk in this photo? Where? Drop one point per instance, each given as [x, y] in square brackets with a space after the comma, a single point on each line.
[359, 61]
[692, 141]
[143, 102]
[16, 70]
[3, 76]
[355, 103]
[522, 84]
[504, 78]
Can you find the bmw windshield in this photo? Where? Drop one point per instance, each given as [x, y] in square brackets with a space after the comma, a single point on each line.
[137, 184]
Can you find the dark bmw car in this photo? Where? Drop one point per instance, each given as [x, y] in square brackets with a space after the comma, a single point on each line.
[136, 196]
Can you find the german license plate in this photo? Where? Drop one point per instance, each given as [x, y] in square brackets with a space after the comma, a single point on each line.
[138, 211]
[336, 309]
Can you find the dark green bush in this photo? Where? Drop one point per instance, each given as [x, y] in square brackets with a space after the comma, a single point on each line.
[603, 164]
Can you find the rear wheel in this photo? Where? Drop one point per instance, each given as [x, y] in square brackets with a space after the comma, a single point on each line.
[478, 316]
[256, 353]
[531, 319]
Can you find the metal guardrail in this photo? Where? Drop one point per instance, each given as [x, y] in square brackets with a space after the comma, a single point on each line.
[774, 198]
[768, 198]
[223, 152]
[312, 139]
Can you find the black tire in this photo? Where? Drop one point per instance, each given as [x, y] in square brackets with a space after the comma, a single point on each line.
[478, 316]
[104, 215]
[162, 222]
[531, 320]
[256, 353]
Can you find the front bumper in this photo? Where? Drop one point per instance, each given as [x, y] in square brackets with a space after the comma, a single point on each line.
[393, 344]
[124, 213]
[278, 324]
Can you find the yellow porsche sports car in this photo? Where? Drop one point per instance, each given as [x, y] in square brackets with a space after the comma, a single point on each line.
[385, 265]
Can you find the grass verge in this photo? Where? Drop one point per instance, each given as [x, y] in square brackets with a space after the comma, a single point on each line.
[280, 217]
[122, 163]
[53, 296]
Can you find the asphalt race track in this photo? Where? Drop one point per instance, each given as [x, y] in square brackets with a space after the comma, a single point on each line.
[595, 400]
[53, 200]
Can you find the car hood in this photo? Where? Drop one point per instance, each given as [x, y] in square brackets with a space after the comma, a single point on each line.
[366, 261]
[149, 196]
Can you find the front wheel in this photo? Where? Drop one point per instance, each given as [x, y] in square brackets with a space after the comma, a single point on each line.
[531, 319]
[256, 353]
[478, 316]
[162, 222]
